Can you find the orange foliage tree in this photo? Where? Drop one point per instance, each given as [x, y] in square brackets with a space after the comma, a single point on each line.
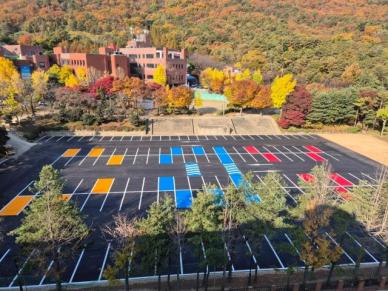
[262, 99]
[180, 97]
[240, 93]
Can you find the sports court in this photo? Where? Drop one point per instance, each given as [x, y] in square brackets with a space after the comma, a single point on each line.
[106, 175]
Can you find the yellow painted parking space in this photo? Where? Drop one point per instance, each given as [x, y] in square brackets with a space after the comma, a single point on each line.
[95, 152]
[102, 185]
[66, 197]
[115, 160]
[69, 153]
[16, 205]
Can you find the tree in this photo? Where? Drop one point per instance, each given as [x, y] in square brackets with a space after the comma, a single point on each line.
[72, 81]
[9, 78]
[244, 75]
[64, 73]
[25, 39]
[253, 59]
[3, 141]
[180, 97]
[11, 107]
[296, 108]
[262, 99]
[153, 235]
[335, 106]
[280, 88]
[53, 72]
[257, 76]
[351, 73]
[240, 93]
[102, 86]
[383, 115]
[213, 79]
[160, 75]
[124, 232]
[52, 227]
[82, 75]
[39, 84]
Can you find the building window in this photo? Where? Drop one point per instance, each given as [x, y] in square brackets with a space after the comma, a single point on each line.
[132, 56]
[42, 64]
[151, 66]
[149, 56]
[149, 77]
[158, 55]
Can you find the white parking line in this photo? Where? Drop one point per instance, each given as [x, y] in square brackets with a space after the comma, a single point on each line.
[141, 194]
[275, 253]
[41, 138]
[224, 137]
[96, 160]
[346, 254]
[157, 195]
[111, 139]
[218, 182]
[76, 266]
[284, 189]
[368, 176]
[250, 250]
[134, 160]
[102, 137]
[229, 257]
[215, 137]
[325, 153]
[93, 136]
[121, 139]
[45, 274]
[71, 138]
[180, 258]
[287, 157]
[233, 137]
[106, 196]
[104, 262]
[292, 183]
[50, 138]
[191, 191]
[243, 138]
[81, 138]
[5, 254]
[240, 155]
[291, 243]
[148, 155]
[285, 136]
[125, 192]
[293, 153]
[260, 137]
[60, 138]
[268, 136]
[251, 137]
[360, 245]
[21, 269]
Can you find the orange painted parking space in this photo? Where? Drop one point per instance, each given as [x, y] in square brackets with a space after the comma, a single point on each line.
[69, 153]
[16, 205]
[115, 160]
[95, 152]
[66, 197]
[102, 185]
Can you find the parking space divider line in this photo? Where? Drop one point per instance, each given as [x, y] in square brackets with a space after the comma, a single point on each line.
[141, 193]
[239, 154]
[293, 154]
[282, 153]
[104, 262]
[4, 255]
[345, 252]
[361, 246]
[191, 191]
[125, 192]
[275, 253]
[293, 183]
[134, 160]
[76, 266]
[45, 274]
[21, 269]
[106, 195]
[292, 244]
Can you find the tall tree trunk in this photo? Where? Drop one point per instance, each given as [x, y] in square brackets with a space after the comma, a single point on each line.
[332, 266]
[356, 119]
[306, 270]
[126, 272]
[58, 280]
[383, 127]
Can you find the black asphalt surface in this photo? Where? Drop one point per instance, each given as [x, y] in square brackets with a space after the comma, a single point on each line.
[136, 186]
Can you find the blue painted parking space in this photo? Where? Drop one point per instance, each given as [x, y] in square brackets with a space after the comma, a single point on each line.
[165, 159]
[223, 155]
[183, 199]
[166, 184]
[198, 150]
[176, 151]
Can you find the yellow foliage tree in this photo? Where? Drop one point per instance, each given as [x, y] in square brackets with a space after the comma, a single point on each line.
[257, 77]
[244, 75]
[351, 73]
[53, 72]
[179, 97]
[11, 107]
[64, 73]
[39, 81]
[81, 73]
[280, 88]
[160, 76]
[253, 60]
[72, 81]
[9, 78]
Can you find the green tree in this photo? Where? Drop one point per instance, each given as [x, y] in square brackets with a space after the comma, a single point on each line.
[257, 76]
[52, 228]
[253, 59]
[382, 114]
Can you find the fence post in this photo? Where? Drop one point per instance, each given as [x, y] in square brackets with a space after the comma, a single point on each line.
[340, 285]
[360, 286]
[318, 286]
[273, 288]
[383, 281]
[295, 287]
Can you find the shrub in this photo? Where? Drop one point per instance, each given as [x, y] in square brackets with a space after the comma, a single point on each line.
[74, 114]
[88, 119]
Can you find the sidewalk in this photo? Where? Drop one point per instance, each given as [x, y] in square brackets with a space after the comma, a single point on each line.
[366, 145]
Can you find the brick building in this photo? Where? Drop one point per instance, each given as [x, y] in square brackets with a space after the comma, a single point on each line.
[26, 57]
[138, 58]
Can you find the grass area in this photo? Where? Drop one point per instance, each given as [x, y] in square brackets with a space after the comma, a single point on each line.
[31, 129]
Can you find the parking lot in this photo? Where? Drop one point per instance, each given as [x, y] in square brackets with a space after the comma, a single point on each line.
[106, 175]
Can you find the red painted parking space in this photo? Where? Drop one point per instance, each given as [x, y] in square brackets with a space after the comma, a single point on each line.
[315, 157]
[344, 193]
[306, 177]
[313, 149]
[271, 157]
[252, 150]
[340, 180]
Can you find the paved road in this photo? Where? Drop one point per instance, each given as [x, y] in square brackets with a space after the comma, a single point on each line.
[107, 175]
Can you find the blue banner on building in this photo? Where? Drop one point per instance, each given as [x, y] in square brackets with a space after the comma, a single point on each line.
[25, 72]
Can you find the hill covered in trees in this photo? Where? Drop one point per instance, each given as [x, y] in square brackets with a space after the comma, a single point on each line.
[315, 40]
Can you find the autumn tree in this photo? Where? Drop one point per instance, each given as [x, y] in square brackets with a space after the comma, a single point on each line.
[72, 81]
[281, 87]
[39, 84]
[180, 97]
[52, 228]
[351, 73]
[240, 93]
[9, 78]
[103, 86]
[82, 75]
[160, 75]
[123, 231]
[296, 108]
[262, 98]
[64, 73]
[253, 60]
[244, 75]
[213, 79]
[257, 76]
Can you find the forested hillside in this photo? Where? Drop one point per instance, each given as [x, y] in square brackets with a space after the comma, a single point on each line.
[315, 40]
